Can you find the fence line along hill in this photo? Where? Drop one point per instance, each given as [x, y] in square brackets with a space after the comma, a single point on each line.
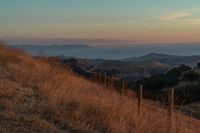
[40, 95]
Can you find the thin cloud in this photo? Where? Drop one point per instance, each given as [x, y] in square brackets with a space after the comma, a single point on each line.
[175, 15]
[179, 14]
[193, 21]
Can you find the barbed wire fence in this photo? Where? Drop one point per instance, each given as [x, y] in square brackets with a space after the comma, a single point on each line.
[173, 112]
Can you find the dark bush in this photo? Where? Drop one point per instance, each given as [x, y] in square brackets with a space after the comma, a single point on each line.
[171, 78]
[190, 76]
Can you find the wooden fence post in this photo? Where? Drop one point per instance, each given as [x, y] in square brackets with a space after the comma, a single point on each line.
[112, 82]
[140, 99]
[109, 82]
[100, 77]
[170, 108]
[105, 79]
[96, 77]
[123, 88]
[92, 77]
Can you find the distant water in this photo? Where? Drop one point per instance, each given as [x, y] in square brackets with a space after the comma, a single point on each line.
[121, 51]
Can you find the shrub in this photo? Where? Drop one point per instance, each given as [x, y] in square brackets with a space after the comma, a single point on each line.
[190, 76]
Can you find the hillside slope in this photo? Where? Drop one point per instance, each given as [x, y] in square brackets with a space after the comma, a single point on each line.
[38, 95]
[129, 71]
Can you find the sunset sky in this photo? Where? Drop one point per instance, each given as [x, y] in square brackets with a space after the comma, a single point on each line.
[107, 20]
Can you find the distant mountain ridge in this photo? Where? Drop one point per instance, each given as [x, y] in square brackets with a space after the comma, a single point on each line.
[171, 60]
[138, 67]
[158, 56]
[130, 69]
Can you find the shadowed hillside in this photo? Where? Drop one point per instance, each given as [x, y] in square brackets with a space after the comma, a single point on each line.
[39, 95]
[129, 71]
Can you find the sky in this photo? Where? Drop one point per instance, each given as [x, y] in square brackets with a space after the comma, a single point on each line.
[101, 20]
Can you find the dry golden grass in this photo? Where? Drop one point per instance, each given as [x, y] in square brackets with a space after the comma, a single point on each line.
[38, 95]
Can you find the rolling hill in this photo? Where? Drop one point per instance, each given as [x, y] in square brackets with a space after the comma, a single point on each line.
[127, 70]
[136, 68]
[40, 95]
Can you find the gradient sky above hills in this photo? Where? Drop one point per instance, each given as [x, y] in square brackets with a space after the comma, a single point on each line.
[113, 20]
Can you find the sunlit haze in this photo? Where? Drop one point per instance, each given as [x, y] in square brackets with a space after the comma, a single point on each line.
[101, 20]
